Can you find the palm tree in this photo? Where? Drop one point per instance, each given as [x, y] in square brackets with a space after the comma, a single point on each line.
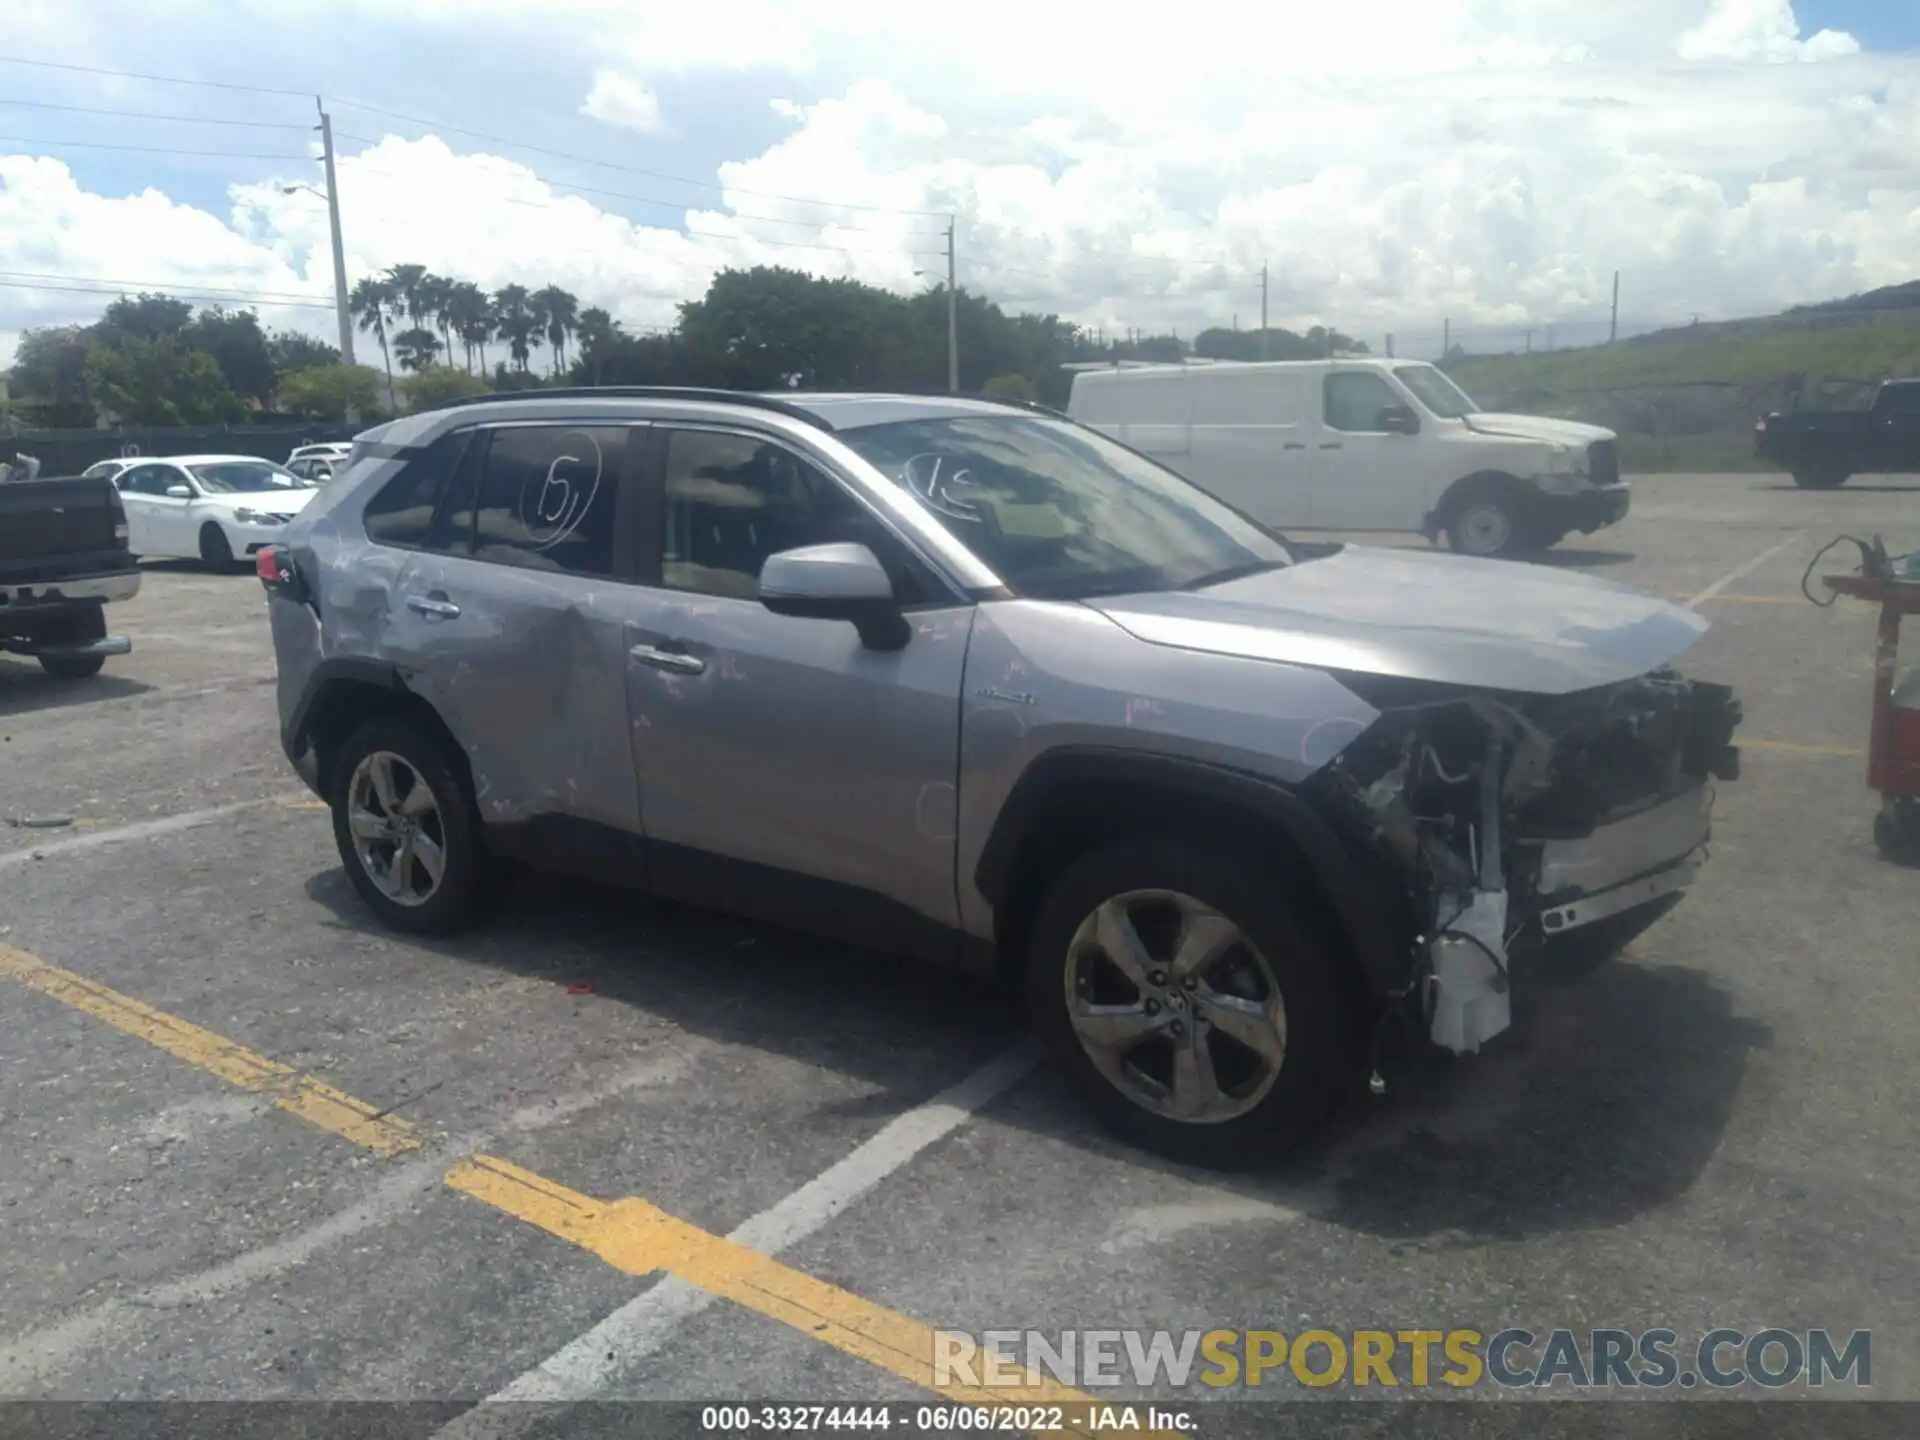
[560, 312]
[409, 289]
[416, 348]
[373, 306]
[598, 330]
[436, 297]
[515, 323]
[469, 315]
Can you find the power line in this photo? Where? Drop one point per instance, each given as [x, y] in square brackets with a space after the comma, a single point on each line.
[680, 205]
[265, 296]
[630, 169]
[148, 115]
[161, 79]
[144, 149]
[172, 294]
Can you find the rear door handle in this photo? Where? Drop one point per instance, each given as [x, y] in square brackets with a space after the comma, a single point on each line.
[1293, 445]
[1329, 444]
[432, 607]
[678, 661]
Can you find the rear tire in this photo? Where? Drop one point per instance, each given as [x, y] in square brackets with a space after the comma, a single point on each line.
[72, 667]
[406, 829]
[215, 552]
[1821, 479]
[1128, 1048]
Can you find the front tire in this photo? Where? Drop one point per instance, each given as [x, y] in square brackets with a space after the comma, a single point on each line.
[1488, 525]
[405, 827]
[215, 552]
[1191, 1007]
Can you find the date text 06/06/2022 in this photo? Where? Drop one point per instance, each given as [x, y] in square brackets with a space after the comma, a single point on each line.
[1038, 1419]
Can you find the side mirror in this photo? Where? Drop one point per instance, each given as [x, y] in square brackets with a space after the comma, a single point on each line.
[1399, 420]
[179, 492]
[836, 582]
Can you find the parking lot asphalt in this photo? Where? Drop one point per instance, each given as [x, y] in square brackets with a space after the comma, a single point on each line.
[1715, 1128]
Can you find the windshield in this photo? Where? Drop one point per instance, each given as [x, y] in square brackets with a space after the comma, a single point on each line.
[243, 477]
[1439, 394]
[1061, 512]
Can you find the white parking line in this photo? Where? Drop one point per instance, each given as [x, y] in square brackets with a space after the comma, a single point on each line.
[1739, 570]
[592, 1363]
[139, 830]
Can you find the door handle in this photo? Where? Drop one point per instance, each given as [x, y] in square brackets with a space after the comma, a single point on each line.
[430, 607]
[1330, 445]
[676, 660]
[1293, 445]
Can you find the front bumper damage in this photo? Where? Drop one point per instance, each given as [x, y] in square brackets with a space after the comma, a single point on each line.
[1512, 821]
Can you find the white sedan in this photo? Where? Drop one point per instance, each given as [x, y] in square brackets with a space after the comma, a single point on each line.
[213, 508]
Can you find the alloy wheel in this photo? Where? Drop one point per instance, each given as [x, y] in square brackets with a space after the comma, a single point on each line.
[399, 835]
[1176, 1006]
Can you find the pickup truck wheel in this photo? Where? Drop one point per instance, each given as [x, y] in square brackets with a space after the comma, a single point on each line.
[72, 667]
[1190, 1007]
[1485, 525]
[215, 552]
[406, 830]
[1820, 479]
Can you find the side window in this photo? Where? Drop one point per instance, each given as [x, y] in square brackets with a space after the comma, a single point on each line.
[546, 498]
[1355, 398]
[149, 479]
[732, 500]
[1903, 400]
[401, 513]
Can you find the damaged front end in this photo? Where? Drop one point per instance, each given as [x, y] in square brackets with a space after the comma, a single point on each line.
[1514, 819]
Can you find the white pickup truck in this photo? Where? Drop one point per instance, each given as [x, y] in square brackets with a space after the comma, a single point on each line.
[1361, 444]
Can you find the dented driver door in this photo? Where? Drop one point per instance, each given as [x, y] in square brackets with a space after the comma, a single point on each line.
[510, 625]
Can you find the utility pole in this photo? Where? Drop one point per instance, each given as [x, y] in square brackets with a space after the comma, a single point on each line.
[1613, 326]
[340, 306]
[953, 319]
[1529, 342]
[1263, 312]
[1389, 345]
[1446, 338]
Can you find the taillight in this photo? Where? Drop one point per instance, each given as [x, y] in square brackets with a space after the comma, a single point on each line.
[271, 564]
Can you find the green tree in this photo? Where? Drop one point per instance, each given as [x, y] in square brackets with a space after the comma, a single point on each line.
[437, 385]
[373, 306]
[239, 347]
[470, 316]
[291, 352]
[1008, 387]
[559, 315]
[599, 335]
[332, 392]
[516, 323]
[412, 293]
[416, 348]
[145, 316]
[160, 382]
[49, 378]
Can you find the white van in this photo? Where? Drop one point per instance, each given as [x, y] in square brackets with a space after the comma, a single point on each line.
[1362, 444]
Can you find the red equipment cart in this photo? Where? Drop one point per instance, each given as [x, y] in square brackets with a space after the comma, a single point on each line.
[1893, 752]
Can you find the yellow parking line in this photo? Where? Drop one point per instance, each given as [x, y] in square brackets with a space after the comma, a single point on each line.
[314, 1101]
[631, 1235]
[1790, 747]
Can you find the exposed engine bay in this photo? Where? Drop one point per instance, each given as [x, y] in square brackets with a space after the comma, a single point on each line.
[1509, 815]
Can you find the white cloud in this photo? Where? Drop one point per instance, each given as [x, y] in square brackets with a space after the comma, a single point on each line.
[1393, 162]
[617, 99]
[1760, 30]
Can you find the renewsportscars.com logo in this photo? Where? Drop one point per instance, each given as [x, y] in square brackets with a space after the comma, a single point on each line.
[1014, 1360]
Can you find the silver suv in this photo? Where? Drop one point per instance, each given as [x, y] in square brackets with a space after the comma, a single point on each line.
[968, 681]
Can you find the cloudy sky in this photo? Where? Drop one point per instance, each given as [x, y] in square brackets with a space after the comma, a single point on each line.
[1393, 163]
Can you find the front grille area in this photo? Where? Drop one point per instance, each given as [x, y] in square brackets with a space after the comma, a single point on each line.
[1603, 462]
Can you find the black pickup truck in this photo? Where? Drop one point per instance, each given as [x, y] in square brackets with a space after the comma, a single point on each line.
[63, 556]
[1821, 448]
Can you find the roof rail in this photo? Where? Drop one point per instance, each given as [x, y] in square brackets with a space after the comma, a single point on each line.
[647, 392]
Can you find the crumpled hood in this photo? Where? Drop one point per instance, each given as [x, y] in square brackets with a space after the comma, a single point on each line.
[1424, 615]
[1539, 427]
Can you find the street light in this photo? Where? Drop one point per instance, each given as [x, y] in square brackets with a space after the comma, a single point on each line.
[332, 196]
[953, 318]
